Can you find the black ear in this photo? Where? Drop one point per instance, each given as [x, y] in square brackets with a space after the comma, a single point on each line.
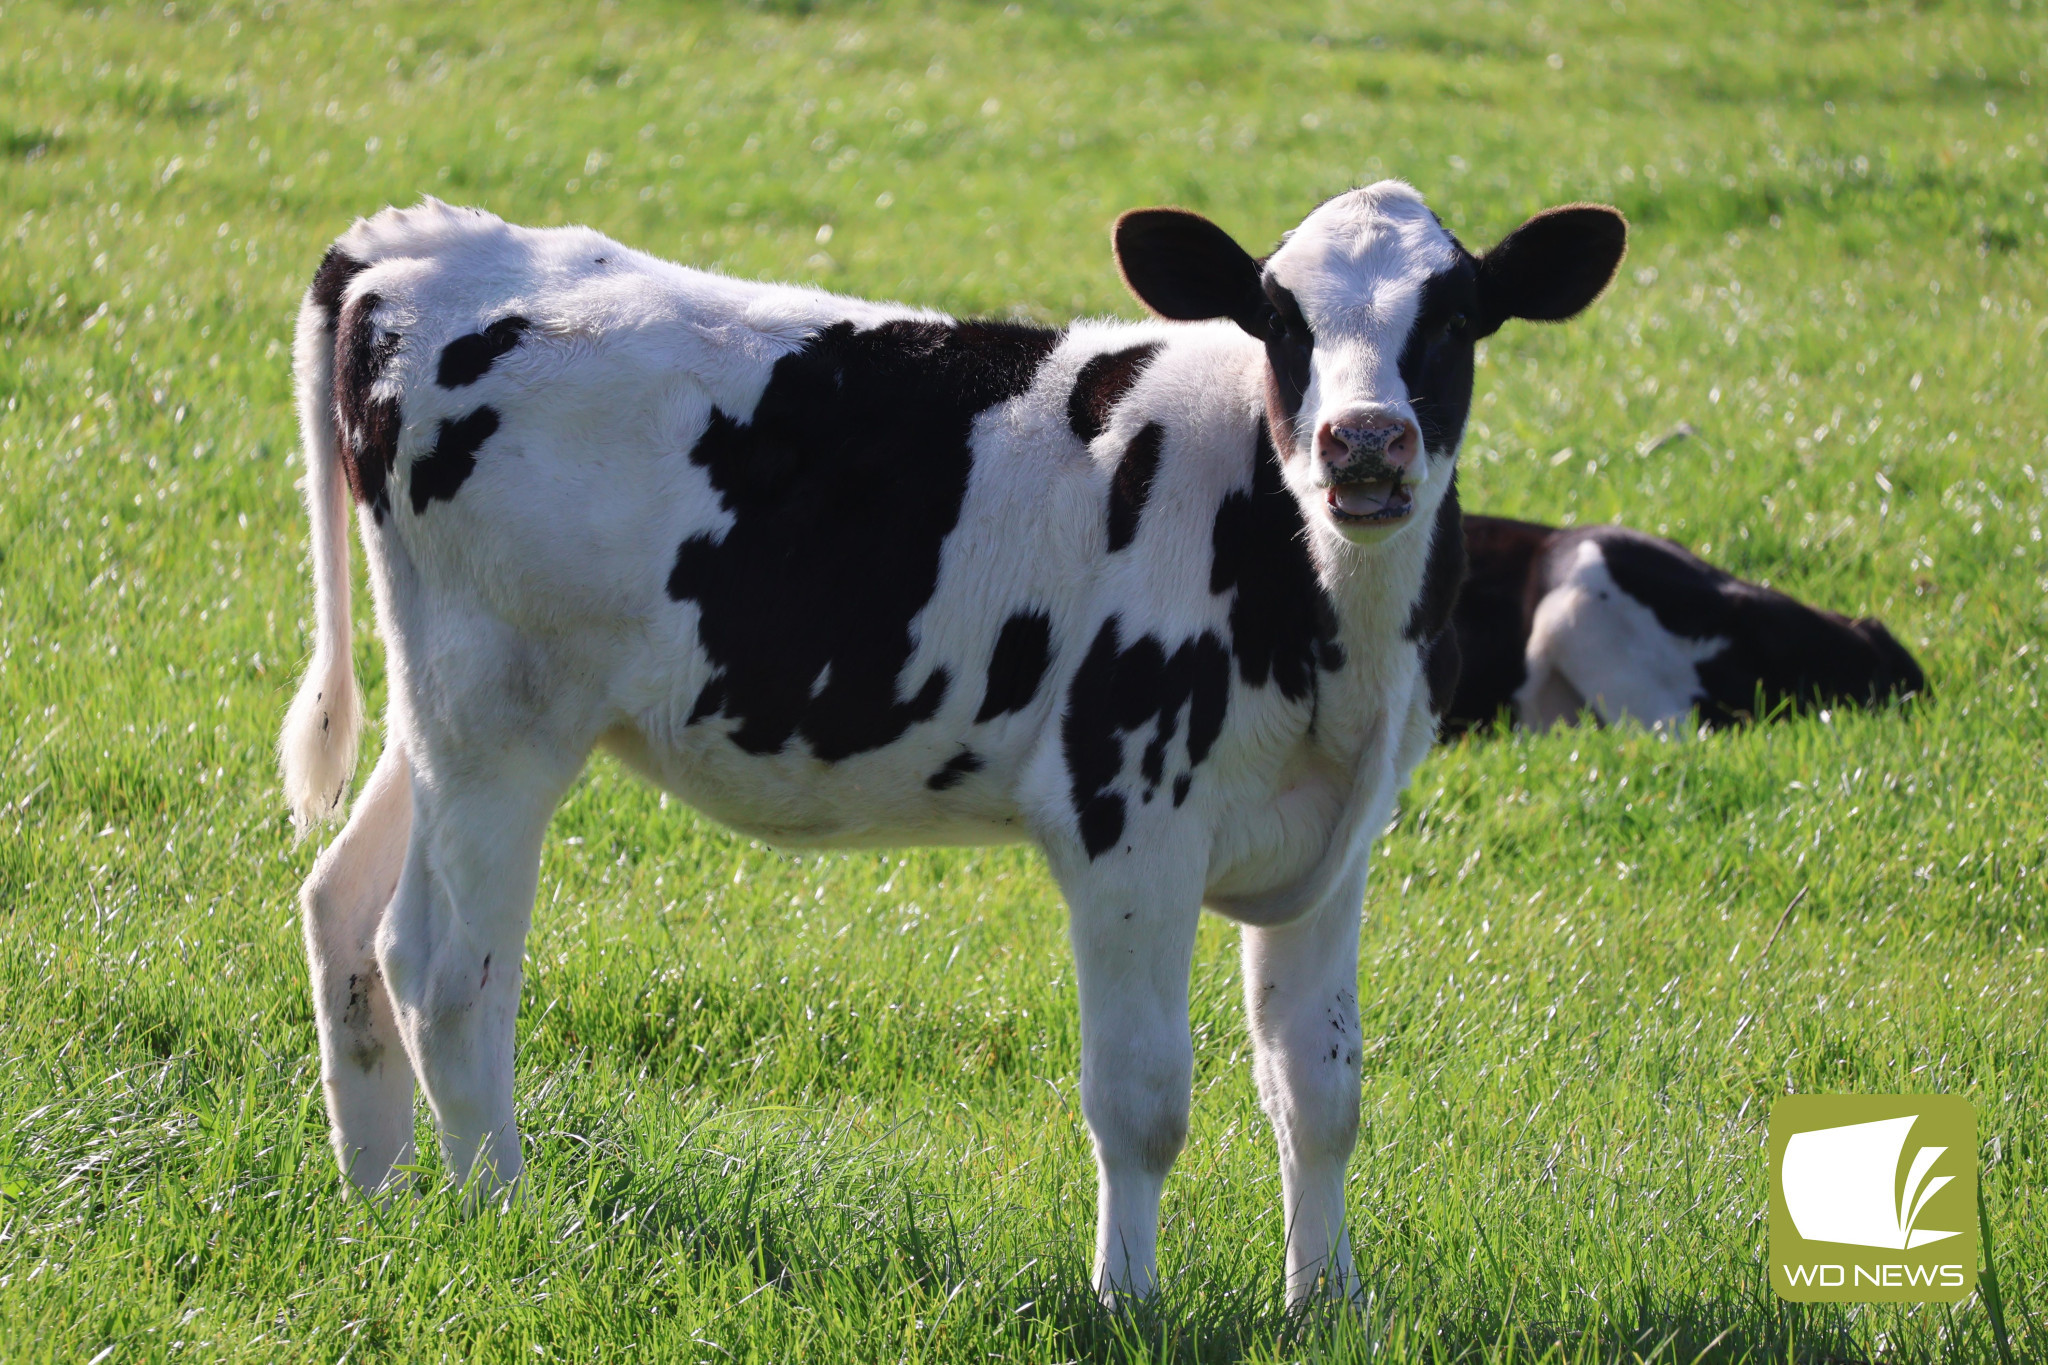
[1551, 267]
[1184, 267]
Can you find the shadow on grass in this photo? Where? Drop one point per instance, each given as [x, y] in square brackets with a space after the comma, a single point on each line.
[824, 1224]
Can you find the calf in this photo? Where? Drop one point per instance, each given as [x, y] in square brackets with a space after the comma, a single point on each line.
[1554, 623]
[1167, 599]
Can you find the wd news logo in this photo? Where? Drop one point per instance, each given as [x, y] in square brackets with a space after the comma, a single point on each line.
[1873, 1198]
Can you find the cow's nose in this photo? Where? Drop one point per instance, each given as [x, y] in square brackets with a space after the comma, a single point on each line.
[1369, 437]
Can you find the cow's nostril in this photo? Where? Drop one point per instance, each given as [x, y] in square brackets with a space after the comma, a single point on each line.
[1369, 440]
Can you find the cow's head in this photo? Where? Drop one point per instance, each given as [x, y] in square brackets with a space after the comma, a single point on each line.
[1369, 312]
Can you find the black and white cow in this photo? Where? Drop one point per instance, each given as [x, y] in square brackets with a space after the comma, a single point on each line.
[1554, 624]
[1167, 599]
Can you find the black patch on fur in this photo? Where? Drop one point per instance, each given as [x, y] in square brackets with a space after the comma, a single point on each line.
[1429, 620]
[1441, 665]
[1101, 385]
[710, 700]
[843, 486]
[366, 428]
[955, 771]
[1131, 485]
[331, 281]
[1436, 368]
[1017, 665]
[1290, 346]
[1437, 358]
[1118, 692]
[1492, 618]
[1283, 627]
[440, 473]
[1444, 574]
[1780, 653]
[467, 358]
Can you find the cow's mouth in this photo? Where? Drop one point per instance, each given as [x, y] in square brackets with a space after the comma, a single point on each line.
[1372, 502]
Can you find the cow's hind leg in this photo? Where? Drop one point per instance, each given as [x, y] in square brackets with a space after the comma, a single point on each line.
[451, 947]
[363, 1065]
[1301, 997]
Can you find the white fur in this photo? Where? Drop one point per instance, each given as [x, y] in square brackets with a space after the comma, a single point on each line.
[526, 621]
[317, 747]
[1357, 267]
[1594, 647]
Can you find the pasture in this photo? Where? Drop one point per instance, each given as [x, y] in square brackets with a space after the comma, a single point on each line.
[799, 1107]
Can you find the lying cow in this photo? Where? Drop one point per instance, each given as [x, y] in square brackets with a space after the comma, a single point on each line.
[1552, 624]
[1167, 599]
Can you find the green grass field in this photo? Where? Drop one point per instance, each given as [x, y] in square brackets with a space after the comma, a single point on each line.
[807, 1109]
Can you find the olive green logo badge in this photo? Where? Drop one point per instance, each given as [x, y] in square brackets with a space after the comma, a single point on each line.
[1873, 1198]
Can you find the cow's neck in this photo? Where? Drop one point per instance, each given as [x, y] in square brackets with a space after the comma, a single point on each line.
[1374, 588]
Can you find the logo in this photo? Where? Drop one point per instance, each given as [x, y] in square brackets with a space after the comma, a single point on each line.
[1873, 1198]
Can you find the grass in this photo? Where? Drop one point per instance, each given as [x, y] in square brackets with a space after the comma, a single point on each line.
[820, 1108]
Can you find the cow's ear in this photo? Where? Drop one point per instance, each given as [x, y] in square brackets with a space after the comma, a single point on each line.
[1184, 267]
[1551, 267]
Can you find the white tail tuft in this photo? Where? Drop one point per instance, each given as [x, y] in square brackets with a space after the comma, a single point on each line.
[317, 747]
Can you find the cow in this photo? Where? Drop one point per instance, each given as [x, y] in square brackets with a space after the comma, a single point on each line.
[1553, 624]
[1168, 599]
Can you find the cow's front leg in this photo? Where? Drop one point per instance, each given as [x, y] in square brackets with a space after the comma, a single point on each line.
[1133, 927]
[1301, 999]
[451, 947]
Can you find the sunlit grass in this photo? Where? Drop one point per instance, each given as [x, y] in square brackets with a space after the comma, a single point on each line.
[822, 1108]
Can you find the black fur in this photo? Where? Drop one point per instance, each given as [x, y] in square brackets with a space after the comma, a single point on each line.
[1443, 574]
[467, 358]
[1182, 266]
[1017, 665]
[1492, 618]
[956, 770]
[1441, 665]
[1101, 385]
[440, 472]
[1118, 692]
[331, 281]
[1781, 652]
[1290, 346]
[1781, 655]
[1436, 360]
[366, 428]
[1283, 627]
[1131, 484]
[1551, 267]
[843, 485]
[1429, 619]
[710, 700]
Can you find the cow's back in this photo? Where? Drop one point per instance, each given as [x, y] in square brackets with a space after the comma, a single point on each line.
[821, 566]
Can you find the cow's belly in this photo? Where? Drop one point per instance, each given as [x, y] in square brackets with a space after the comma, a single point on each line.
[882, 799]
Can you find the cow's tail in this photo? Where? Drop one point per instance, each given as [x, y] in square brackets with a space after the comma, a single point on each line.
[317, 748]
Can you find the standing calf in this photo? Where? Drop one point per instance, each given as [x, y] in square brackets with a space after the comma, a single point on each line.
[1168, 600]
